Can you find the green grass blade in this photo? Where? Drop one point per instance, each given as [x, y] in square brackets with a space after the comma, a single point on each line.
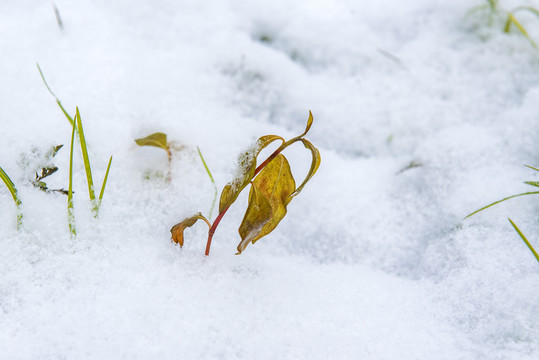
[527, 8]
[13, 190]
[499, 201]
[512, 20]
[45, 81]
[532, 183]
[105, 181]
[69, 118]
[531, 167]
[493, 4]
[212, 181]
[525, 240]
[85, 157]
[70, 212]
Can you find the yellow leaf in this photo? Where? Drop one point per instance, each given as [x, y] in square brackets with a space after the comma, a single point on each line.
[315, 164]
[157, 139]
[273, 186]
[247, 167]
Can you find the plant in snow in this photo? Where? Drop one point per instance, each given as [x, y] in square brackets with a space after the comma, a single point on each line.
[272, 189]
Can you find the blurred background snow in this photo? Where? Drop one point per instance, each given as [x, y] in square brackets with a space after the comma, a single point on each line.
[374, 260]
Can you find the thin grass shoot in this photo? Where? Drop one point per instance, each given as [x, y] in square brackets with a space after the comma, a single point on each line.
[14, 194]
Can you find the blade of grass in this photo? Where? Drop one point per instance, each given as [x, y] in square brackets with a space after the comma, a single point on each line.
[70, 212]
[493, 4]
[13, 190]
[512, 20]
[525, 240]
[212, 181]
[85, 157]
[527, 8]
[499, 201]
[69, 118]
[105, 181]
[531, 167]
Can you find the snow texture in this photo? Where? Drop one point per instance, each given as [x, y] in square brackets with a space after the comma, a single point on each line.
[374, 259]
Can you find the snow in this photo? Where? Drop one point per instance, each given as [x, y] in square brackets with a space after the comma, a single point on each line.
[373, 261]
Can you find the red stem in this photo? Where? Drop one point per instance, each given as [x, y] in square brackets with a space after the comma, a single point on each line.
[220, 216]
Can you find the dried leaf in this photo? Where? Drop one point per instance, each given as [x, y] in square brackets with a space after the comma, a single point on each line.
[157, 139]
[258, 214]
[53, 151]
[46, 172]
[315, 164]
[247, 167]
[177, 230]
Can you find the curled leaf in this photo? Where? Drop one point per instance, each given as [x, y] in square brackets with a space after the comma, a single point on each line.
[247, 167]
[257, 215]
[177, 230]
[157, 139]
[315, 164]
[275, 184]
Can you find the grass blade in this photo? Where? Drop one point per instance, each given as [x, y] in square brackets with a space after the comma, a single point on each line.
[85, 157]
[13, 190]
[69, 118]
[531, 167]
[527, 8]
[105, 181]
[499, 201]
[70, 212]
[512, 20]
[525, 240]
[212, 181]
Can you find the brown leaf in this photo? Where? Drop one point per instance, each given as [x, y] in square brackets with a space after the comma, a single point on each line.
[274, 184]
[247, 167]
[157, 139]
[177, 230]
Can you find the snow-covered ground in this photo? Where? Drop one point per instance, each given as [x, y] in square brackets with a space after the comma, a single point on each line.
[373, 261]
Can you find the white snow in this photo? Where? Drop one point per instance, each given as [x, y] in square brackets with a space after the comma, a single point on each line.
[371, 262]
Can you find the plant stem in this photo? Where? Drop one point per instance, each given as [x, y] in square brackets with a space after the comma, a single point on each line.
[169, 173]
[212, 230]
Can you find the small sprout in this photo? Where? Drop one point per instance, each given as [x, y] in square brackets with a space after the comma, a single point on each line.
[14, 194]
[159, 140]
[272, 188]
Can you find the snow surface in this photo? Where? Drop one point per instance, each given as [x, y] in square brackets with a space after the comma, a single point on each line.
[372, 262]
